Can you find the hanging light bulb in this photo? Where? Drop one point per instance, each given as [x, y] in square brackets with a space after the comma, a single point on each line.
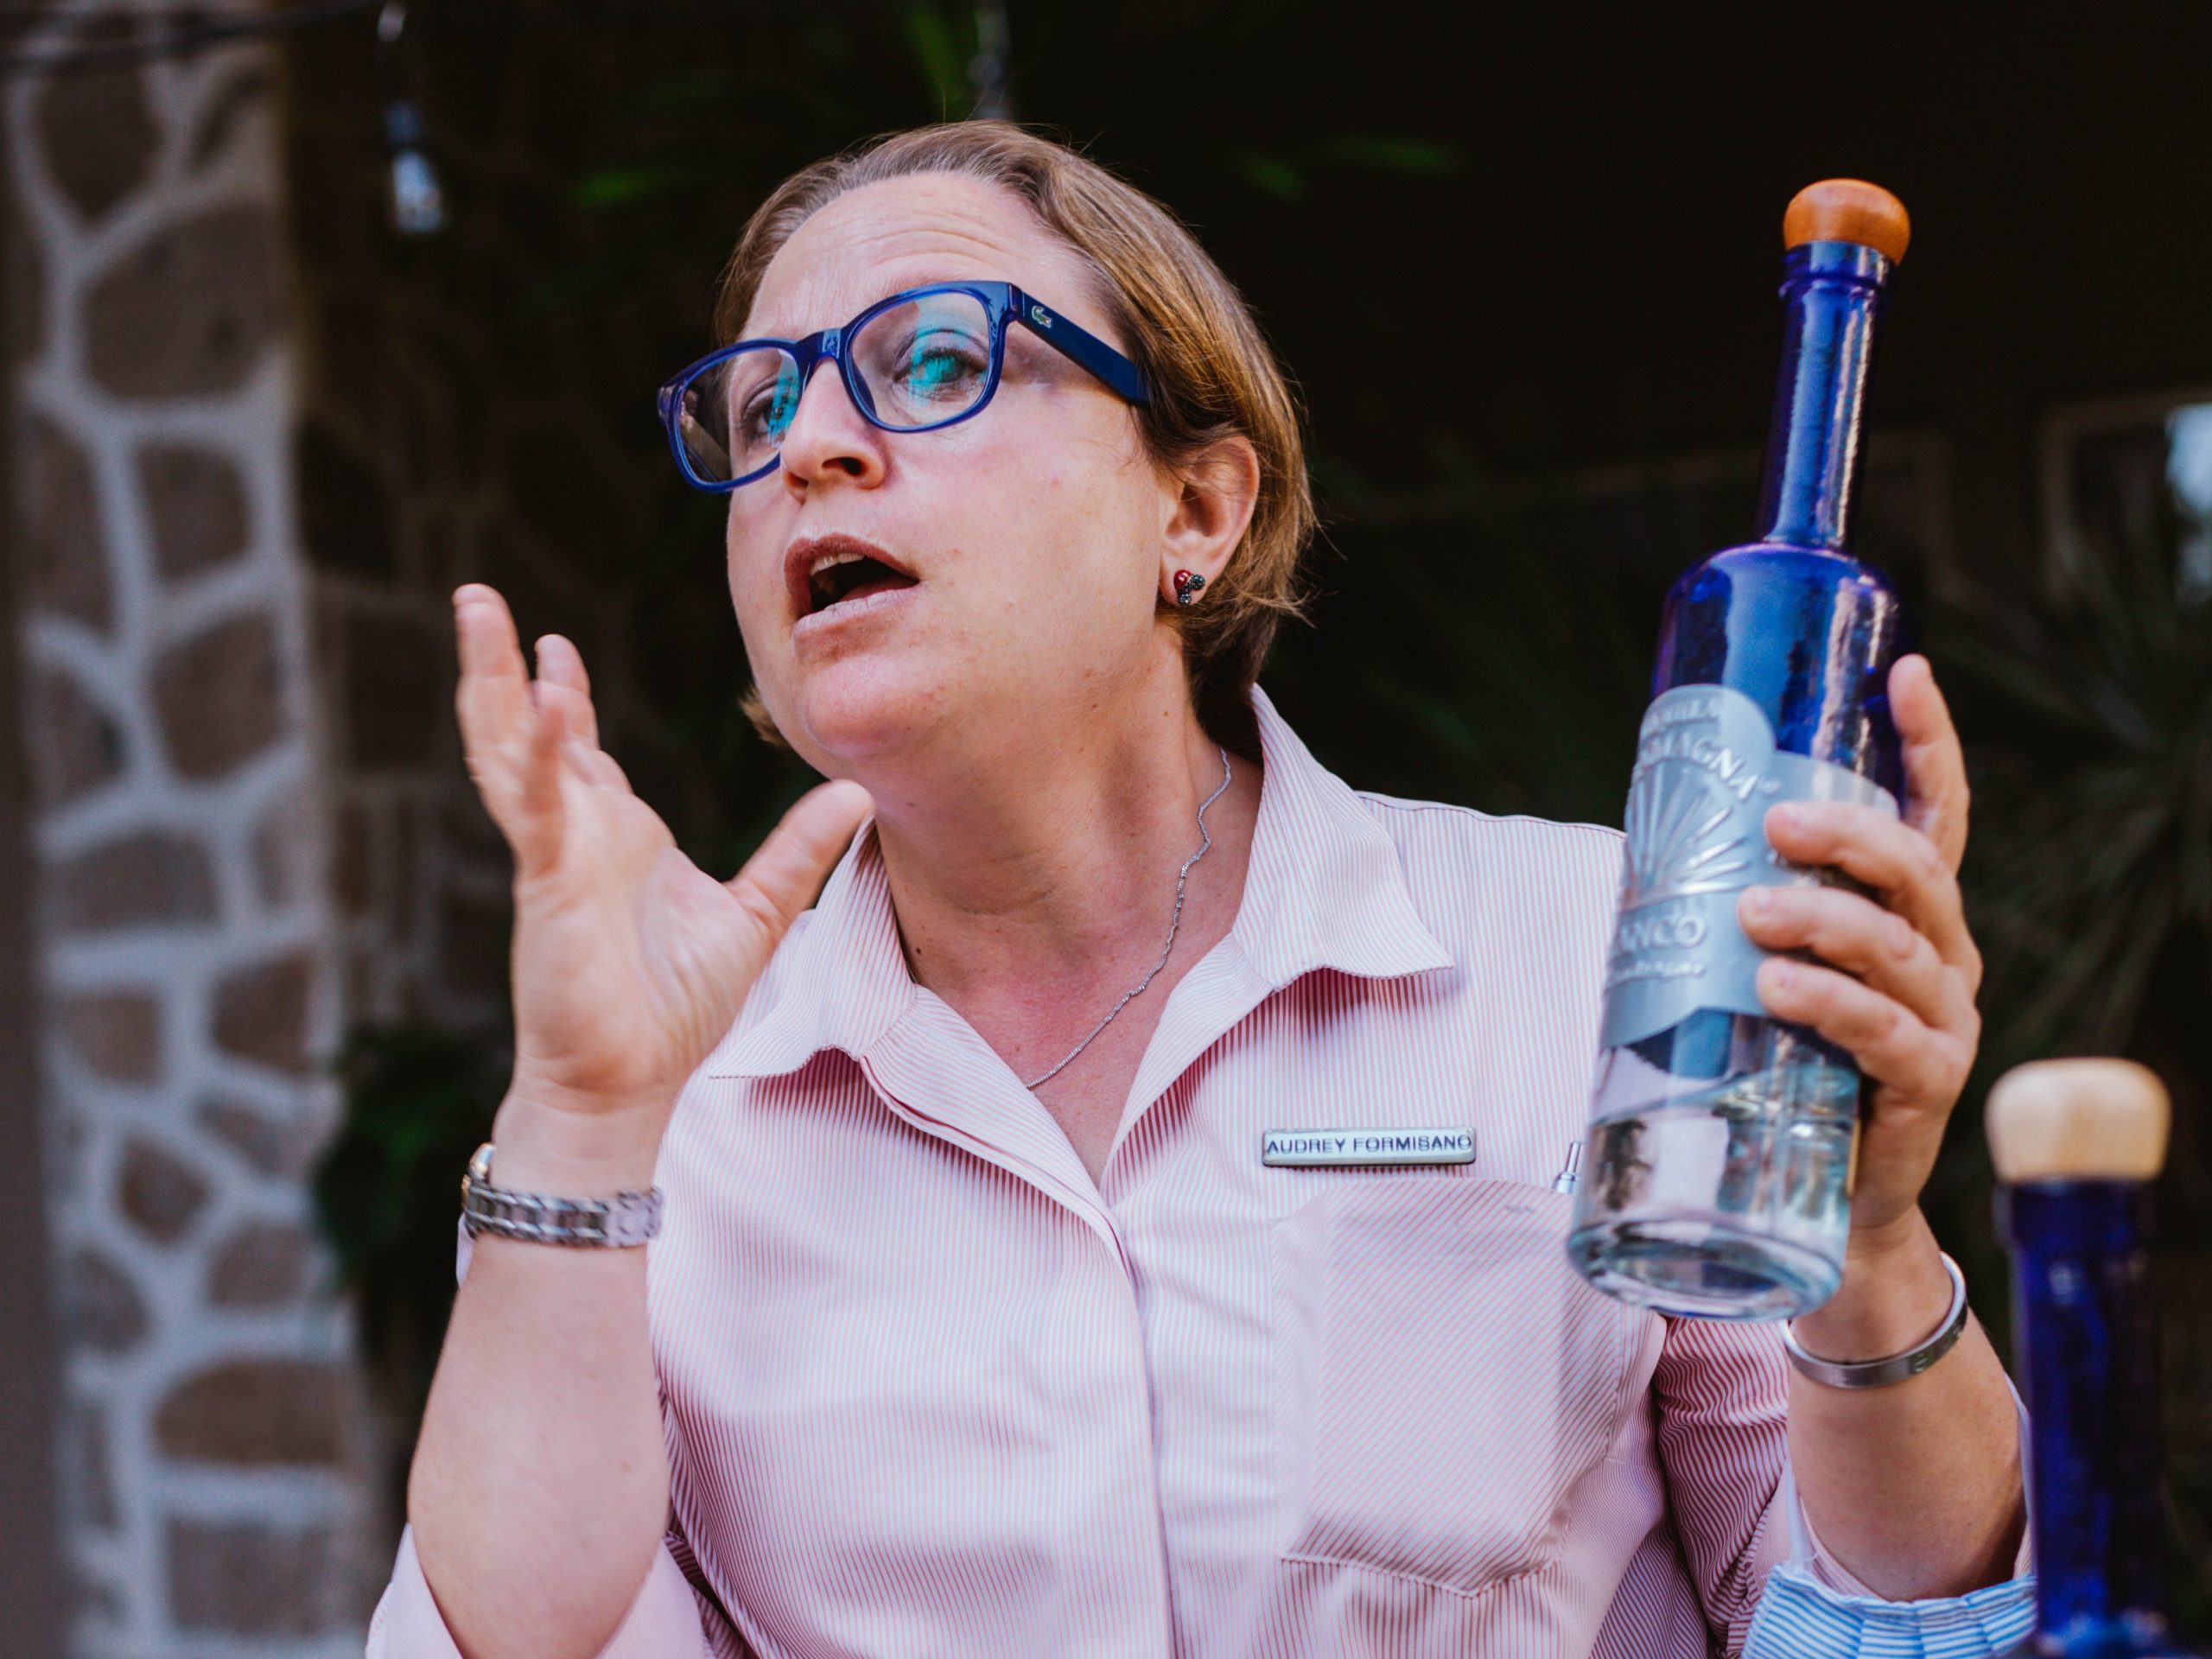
[415, 200]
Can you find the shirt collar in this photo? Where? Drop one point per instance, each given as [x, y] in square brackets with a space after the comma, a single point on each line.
[1323, 888]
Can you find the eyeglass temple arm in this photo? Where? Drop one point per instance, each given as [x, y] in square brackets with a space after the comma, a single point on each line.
[1080, 347]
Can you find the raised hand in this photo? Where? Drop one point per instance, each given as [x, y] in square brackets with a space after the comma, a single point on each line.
[1896, 973]
[630, 962]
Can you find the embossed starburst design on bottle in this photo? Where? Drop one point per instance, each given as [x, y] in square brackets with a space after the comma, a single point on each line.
[1682, 836]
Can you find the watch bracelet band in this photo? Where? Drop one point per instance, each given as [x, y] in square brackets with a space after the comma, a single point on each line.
[624, 1221]
[1879, 1373]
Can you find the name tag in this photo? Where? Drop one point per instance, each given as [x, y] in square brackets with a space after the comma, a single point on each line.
[1335, 1146]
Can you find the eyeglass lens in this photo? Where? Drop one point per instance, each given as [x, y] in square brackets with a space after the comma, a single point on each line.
[919, 364]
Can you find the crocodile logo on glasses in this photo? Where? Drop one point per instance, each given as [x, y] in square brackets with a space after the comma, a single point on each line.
[1041, 317]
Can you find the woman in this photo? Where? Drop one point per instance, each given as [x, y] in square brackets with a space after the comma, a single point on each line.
[978, 1323]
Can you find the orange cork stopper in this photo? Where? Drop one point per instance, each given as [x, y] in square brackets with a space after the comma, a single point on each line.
[2092, 1120]
[1848, 210]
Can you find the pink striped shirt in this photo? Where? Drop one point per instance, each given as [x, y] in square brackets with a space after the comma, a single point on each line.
[930, 1390]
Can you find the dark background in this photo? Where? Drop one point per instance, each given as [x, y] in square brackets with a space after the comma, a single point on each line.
[1523, 267]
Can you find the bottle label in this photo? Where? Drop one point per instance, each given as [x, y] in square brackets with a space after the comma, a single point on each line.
[1707, 771]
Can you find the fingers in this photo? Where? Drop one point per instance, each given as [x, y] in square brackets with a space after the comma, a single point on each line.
[538, 818]
[1874, 945]
[1892, 1044]
[1934, 764]
[493, 698]
[560, 664]
[781, 879]
[1902, 865]
[518, 732]
[563, 682]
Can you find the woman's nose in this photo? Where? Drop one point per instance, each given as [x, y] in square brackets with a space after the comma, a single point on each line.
[828, 435]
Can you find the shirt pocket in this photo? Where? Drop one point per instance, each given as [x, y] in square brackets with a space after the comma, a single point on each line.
[1442, 1376]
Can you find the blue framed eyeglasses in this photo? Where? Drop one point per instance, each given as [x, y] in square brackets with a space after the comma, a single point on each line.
[918, 361]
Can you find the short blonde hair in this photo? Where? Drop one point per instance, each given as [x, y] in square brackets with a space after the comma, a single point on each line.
[1211, 374]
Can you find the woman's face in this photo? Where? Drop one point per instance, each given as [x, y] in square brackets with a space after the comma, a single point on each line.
[1019, 553]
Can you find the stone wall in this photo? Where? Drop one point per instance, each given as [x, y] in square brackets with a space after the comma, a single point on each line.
[211, 1446]
[257, 440]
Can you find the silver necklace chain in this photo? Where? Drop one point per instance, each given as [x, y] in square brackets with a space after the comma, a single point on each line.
[1174, 921]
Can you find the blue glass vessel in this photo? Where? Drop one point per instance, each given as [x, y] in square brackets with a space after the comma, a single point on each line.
[2088, 1348]
[2078, 1144]
[1716, 1173]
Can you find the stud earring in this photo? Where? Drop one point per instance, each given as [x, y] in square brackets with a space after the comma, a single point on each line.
[1187, 584]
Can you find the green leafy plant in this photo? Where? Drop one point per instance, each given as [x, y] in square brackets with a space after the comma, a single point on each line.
[2093, 751]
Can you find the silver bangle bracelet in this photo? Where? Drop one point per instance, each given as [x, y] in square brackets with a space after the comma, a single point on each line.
[625, 1220]
[1879, 1373]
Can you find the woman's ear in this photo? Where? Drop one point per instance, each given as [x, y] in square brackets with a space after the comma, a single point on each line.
[1216, 495]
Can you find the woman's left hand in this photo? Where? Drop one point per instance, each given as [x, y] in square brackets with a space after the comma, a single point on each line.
[1895, 980]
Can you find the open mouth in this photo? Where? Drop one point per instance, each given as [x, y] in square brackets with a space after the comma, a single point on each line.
[837, 578]
[841, 570]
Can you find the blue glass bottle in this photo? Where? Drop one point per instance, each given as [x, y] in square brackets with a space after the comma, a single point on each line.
[1716, 1173]
[2079, 1142]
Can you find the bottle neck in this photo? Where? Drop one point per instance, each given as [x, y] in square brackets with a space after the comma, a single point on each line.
[2088, 1355]
[1830, 292]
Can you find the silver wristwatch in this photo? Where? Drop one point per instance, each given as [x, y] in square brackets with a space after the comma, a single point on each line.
[1879, 1373]
[626, 1219]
